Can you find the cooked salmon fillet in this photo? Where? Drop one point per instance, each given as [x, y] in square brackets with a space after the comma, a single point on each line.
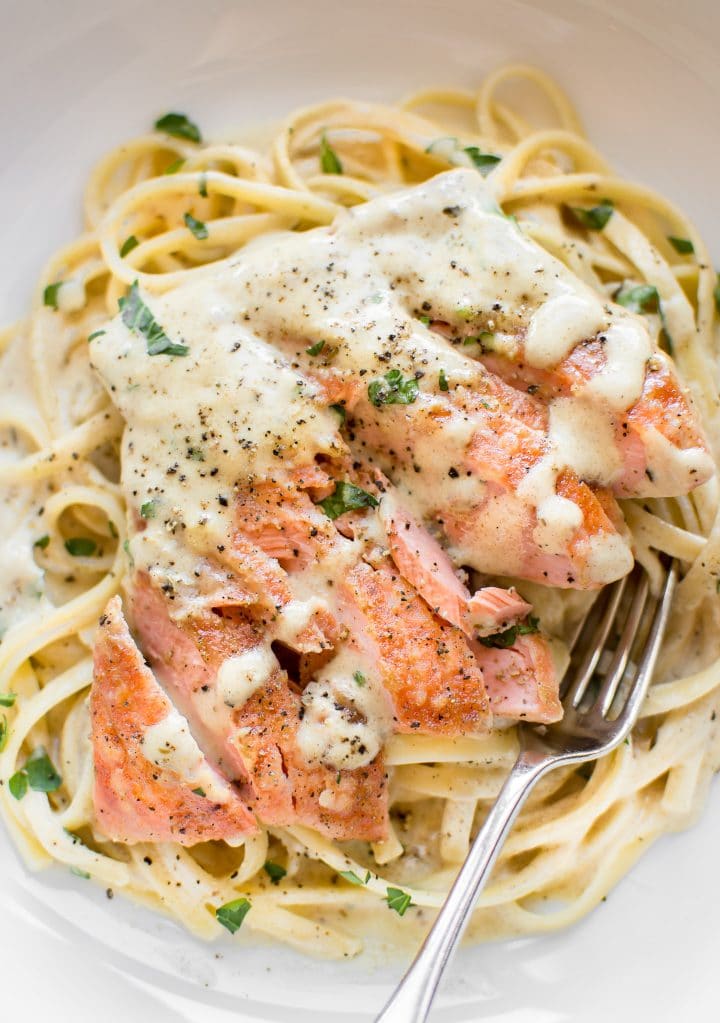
[366, 422]
[152, 782]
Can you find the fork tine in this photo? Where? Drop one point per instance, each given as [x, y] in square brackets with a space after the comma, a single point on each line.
[584, 673]
[615, 672]
[651, 649]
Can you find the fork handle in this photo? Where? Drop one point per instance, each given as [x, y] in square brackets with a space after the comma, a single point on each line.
[414, 995]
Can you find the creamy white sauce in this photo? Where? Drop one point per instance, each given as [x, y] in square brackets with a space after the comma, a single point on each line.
[558, 325]
[170, 746]
[243, 674]
[295, 617]
[345, 724]
[237, 406]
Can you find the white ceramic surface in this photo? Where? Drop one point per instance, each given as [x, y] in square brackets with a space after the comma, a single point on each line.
[77, 77]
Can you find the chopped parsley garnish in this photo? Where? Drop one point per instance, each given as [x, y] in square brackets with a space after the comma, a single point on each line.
[682, 245]
[596, 217]
[148, 510]
[316, 348]
[50, 294]
[112, 529]
[232, 914]
[199, 792]
[126, 548]
[18, 785]
[175, 166]
[392, 389]
[39, 773]
[352, 877]
[8, 699]
[3, 732]
[42, 542]
[179, 126]
[274, 871]
[359, 678]
[425, 320]
[347, 497]
[484, 162]
[137, 317]
[195, 226]
[80, 546]
[202, 186]
[329, 160]
[465, 312]
[506, 639]
[643, 298]
[442, 381]
[96, 333]
[341, 411]
[80, 873]
[450, 150]
[398, 900]
[129, 244]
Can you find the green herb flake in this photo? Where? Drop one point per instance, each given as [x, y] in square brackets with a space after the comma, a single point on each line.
[148, 510]
[199, 792]
[425, 320]
[316, 348]
[126, 548]
[484, 162]
[274, 871]
[329, 160]
[112, 529]
[504, 640]
[8, 699]
[80, 873]
[232, 914]
[80, 546]
[341, 411]
[682, 245]
[50, 294]
[392, 389]
[347, 497]
[41, 773]
[596, 217]
[175, 166]
[95, 333]
[196, 454]
[18, 785]
[202, 186]
[137, 317]
[128, 245]
[196, 227]
[42, 542]
[352, 878]
[3, 732]
[398, 900]
[643, 298]
[359, 678]
[465, 312]
[179, 126]
[442, 381]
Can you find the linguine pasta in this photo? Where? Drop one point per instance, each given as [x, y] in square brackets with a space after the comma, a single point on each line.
[63, 542]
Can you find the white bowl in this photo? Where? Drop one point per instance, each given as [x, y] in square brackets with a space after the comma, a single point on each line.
[79, 77]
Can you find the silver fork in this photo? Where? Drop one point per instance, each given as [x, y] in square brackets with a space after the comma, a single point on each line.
[596, 719]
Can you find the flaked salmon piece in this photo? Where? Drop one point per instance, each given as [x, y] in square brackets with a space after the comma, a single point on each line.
[424, 563]
[651, 435]
[434, 682]
[492, 525]
[255, 741]
[152, 781]
[521, 680]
